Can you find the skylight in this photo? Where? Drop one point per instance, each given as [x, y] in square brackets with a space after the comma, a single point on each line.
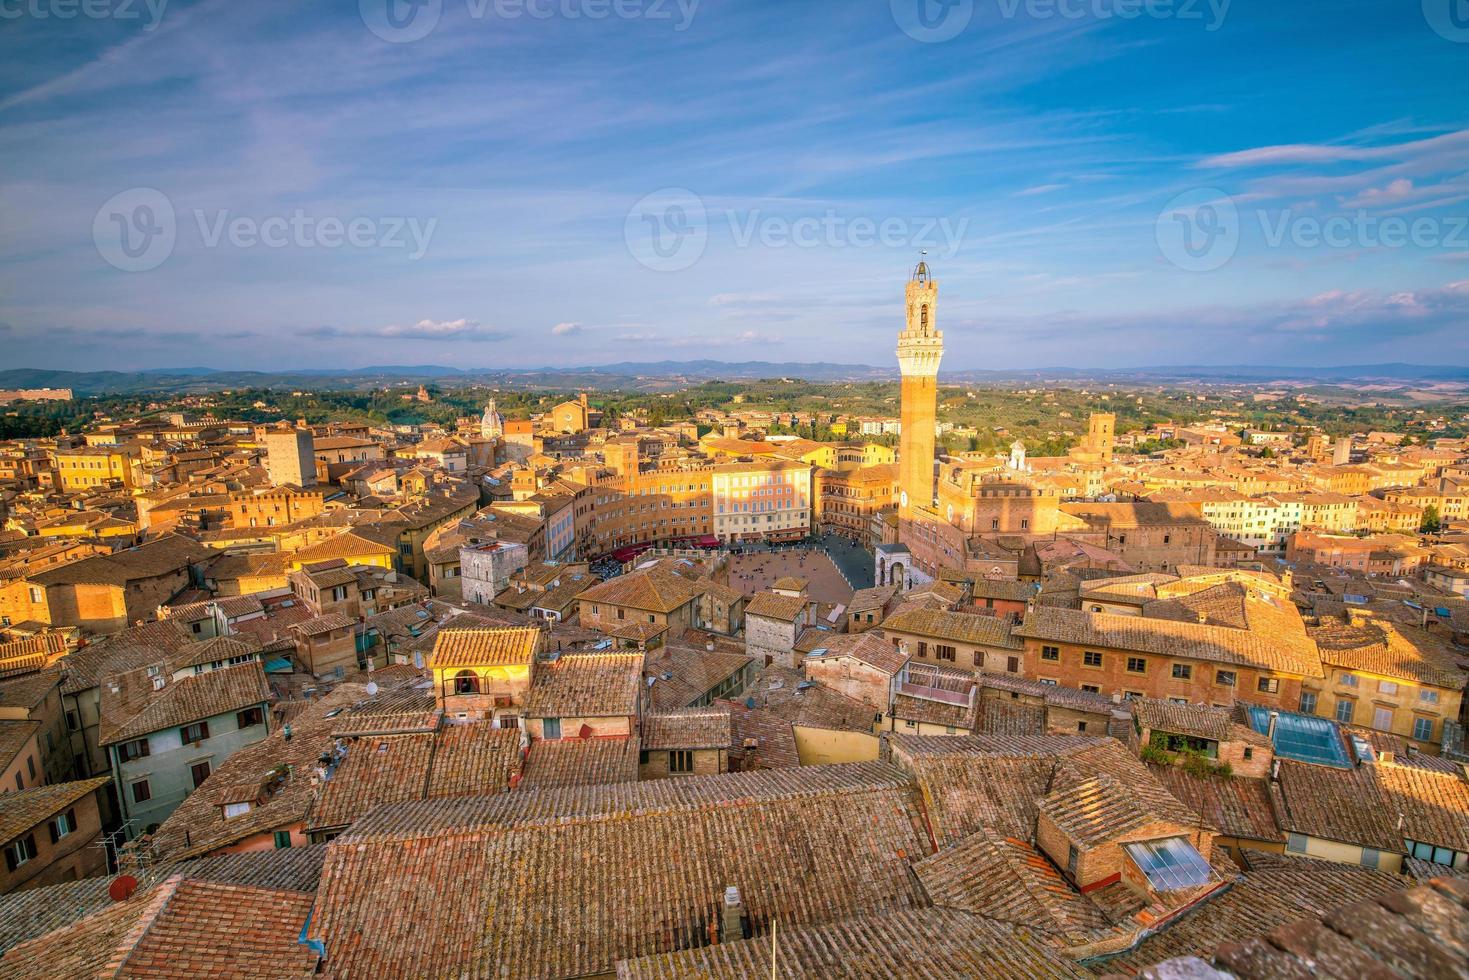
[1170, 864]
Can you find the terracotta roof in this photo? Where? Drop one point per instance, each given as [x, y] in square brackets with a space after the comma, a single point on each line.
[137, 646]
[132, 707]
[567, 882]
[347, 544]
[875, 598]
[1198, 720]
[454, 647]
[21, 810]
[1001, 782]
[1390, 650]
[962, 717]
[1416, 933]
[924, 943]
[693, 673]
[318, 625]
[198, 826]
[657, 589]
[989, 631]
[580, 762]
[162, 556]
[1236, 806]
[473, 759]
[376, 769]
[1009, 880]
[1094, 809]
[687, 728]
[586, 685]
[182, 929]
[219, 648]
[865, 647]
[760, 739]
[1336, 804]
[1277, 890]
[1167, 638]
[771, 605]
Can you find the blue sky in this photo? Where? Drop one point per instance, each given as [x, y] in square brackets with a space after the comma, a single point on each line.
[1245, 182]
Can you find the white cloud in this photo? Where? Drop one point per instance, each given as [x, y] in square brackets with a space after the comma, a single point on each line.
[566, 329]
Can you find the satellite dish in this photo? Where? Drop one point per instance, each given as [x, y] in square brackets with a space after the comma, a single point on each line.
[122, 888]
[372, 689]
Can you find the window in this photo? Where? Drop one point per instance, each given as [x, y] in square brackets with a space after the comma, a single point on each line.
[339, 593]
[142, 792]
[128, 751]
[1092, 688]
[31, 765]
[1249, 753]
[72, 722]
[199, 772]
[1347, 680]
[232, 810]
[282, 839]
[1423, 729]
[1427, 696]
[1387, 687]
[1048, 682]
[943, 652]
[922, 648]
[1183, 672]
[196, 732]
[1050, 653]
[1345, 707]
[1370, 857]
[249, 718]
[1137, 665]
[551, 728]
[466, 682]
[19, 852]
[1268, 685]
[1308, 702]
[1012, 664]
[1382, 719]
[1091, 658]
[63, 825]
[1295, 843]
[1081, 726]
[1225, 678]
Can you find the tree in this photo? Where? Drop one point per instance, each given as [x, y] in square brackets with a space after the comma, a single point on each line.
[1432, 522]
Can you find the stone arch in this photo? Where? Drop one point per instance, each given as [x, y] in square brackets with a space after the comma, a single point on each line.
[466, 681]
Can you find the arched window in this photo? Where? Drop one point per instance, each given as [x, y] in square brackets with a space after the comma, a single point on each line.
[923, 318]
[466, 682]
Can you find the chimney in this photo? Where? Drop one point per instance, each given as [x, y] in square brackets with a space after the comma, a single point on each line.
[1270, 729]
[731, 925]
[1275, 770]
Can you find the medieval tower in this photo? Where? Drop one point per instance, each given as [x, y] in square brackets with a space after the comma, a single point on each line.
[920, 348]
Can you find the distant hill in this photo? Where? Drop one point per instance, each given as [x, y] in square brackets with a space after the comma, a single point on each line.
[668, 374]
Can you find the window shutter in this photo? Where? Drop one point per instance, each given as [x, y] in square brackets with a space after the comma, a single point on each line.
[51, 828]
[10, 858]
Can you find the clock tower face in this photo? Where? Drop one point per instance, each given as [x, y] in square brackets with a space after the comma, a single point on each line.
[903, 498]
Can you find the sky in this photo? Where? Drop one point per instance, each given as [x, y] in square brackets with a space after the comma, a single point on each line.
[524, 183]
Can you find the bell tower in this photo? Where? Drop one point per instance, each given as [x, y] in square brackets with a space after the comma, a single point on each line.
[920, 348]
